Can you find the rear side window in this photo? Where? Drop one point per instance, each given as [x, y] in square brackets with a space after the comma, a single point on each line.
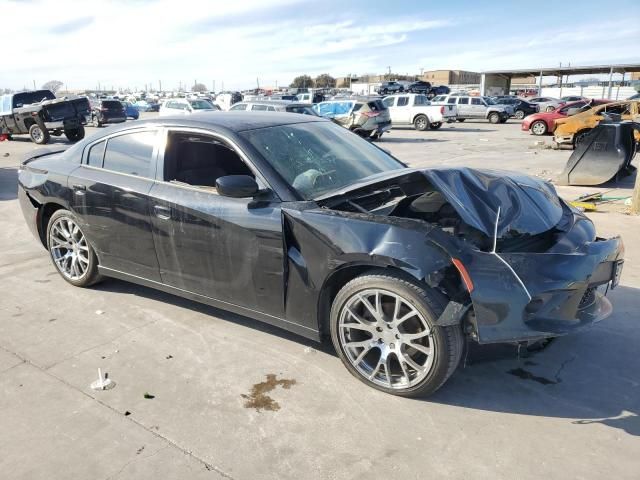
[463, 101]
[96, 152]
[377, 105]
[112, 104]
[239, 106]
[389, 101]
[476, 101]
[403, 101]
[130, 153]
[259, 107]
[451, 100]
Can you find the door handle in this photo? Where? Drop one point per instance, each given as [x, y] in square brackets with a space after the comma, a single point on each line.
[162, 212]
[79, 189]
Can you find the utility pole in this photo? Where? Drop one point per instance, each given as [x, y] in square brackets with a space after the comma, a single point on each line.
[160, 84]
[34, 84]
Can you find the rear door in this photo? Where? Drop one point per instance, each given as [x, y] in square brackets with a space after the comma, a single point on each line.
[464, 107]
[111, 198]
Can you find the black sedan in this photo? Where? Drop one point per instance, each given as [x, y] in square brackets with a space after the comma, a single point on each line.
[521, 108]
[293, 220]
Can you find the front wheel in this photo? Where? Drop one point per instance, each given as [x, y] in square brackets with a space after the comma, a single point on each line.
[39, 135]
[539, 127]
[494, 118]
[421, 123]
[75, 134]
[70, 250]
[383, 328]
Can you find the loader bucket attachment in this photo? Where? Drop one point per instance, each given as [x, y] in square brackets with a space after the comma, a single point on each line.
[604, 154]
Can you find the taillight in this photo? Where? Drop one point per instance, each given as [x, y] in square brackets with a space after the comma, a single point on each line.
[370, 114]
[442, 110]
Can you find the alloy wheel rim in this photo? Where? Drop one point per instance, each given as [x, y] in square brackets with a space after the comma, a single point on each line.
[37, 134]
[422, 123]
[538, 129]
[519, 115]
[386, 339]
[69, 248]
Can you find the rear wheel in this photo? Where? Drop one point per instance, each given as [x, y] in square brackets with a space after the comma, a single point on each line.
[421, 123]
[383, 328]
[75, 134]
[70, 251]
[96, 121]
[539, 127]
[519, 115]
[39, 135]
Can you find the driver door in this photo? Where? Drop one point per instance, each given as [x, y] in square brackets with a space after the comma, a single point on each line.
[229, 249]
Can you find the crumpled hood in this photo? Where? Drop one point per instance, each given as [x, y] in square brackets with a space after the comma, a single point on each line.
[527, 205]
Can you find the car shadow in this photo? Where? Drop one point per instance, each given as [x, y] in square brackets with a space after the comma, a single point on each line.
[52, 141]
[8, 183]
[588, 378]
[119, 286]
[410, 140]
[564, 380]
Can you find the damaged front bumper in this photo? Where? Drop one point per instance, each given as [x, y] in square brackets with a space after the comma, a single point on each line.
[530, 296]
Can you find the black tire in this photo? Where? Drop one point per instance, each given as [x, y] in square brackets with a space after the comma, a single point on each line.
[75, 134]
[91, 275]
[421, 123]
[39, 135]
[494, 118]
[435, 125]
[96, 122]
[504, 119]
[461, 119]
[539, 127]
[384, 91]
[519, 115]
[446, 343]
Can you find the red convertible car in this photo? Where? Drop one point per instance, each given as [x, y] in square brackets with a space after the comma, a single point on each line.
[544, 122]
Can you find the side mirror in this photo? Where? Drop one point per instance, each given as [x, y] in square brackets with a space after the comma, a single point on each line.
[237, 186]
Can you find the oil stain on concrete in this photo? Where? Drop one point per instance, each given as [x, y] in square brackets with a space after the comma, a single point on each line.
[258, 397]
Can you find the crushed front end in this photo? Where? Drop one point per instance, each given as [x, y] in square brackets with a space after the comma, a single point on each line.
[528, 266]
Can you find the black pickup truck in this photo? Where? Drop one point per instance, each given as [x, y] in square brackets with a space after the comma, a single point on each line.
[40, 114]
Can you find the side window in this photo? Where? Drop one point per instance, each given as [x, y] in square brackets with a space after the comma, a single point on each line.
[389, 101]
[96, 152]
[463, 101]
[476, 101]
[239, 106]
[420, 100]
[271, 109]
[259, 107]
[130, 153]
[199, 160]
[451, 100]
[403, 101]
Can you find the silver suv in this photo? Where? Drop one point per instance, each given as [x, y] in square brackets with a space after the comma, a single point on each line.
[274, 106]
[476, 107]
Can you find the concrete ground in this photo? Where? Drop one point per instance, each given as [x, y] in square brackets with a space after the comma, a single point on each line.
[569, 411]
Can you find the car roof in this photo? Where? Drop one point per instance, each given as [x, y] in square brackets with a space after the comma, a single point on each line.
[233, 121]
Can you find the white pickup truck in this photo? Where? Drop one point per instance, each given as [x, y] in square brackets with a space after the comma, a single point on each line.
[415, 109]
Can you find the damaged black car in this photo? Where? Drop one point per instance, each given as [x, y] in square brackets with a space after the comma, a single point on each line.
[294, 221]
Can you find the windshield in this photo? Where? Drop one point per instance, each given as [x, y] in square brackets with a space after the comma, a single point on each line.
[27, 98]
[200, 105]
[319, 157]
[489, 101]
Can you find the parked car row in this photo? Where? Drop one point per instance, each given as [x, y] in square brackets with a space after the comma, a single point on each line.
[572, 122]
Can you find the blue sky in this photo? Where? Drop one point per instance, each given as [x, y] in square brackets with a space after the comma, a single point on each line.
[127, 43]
